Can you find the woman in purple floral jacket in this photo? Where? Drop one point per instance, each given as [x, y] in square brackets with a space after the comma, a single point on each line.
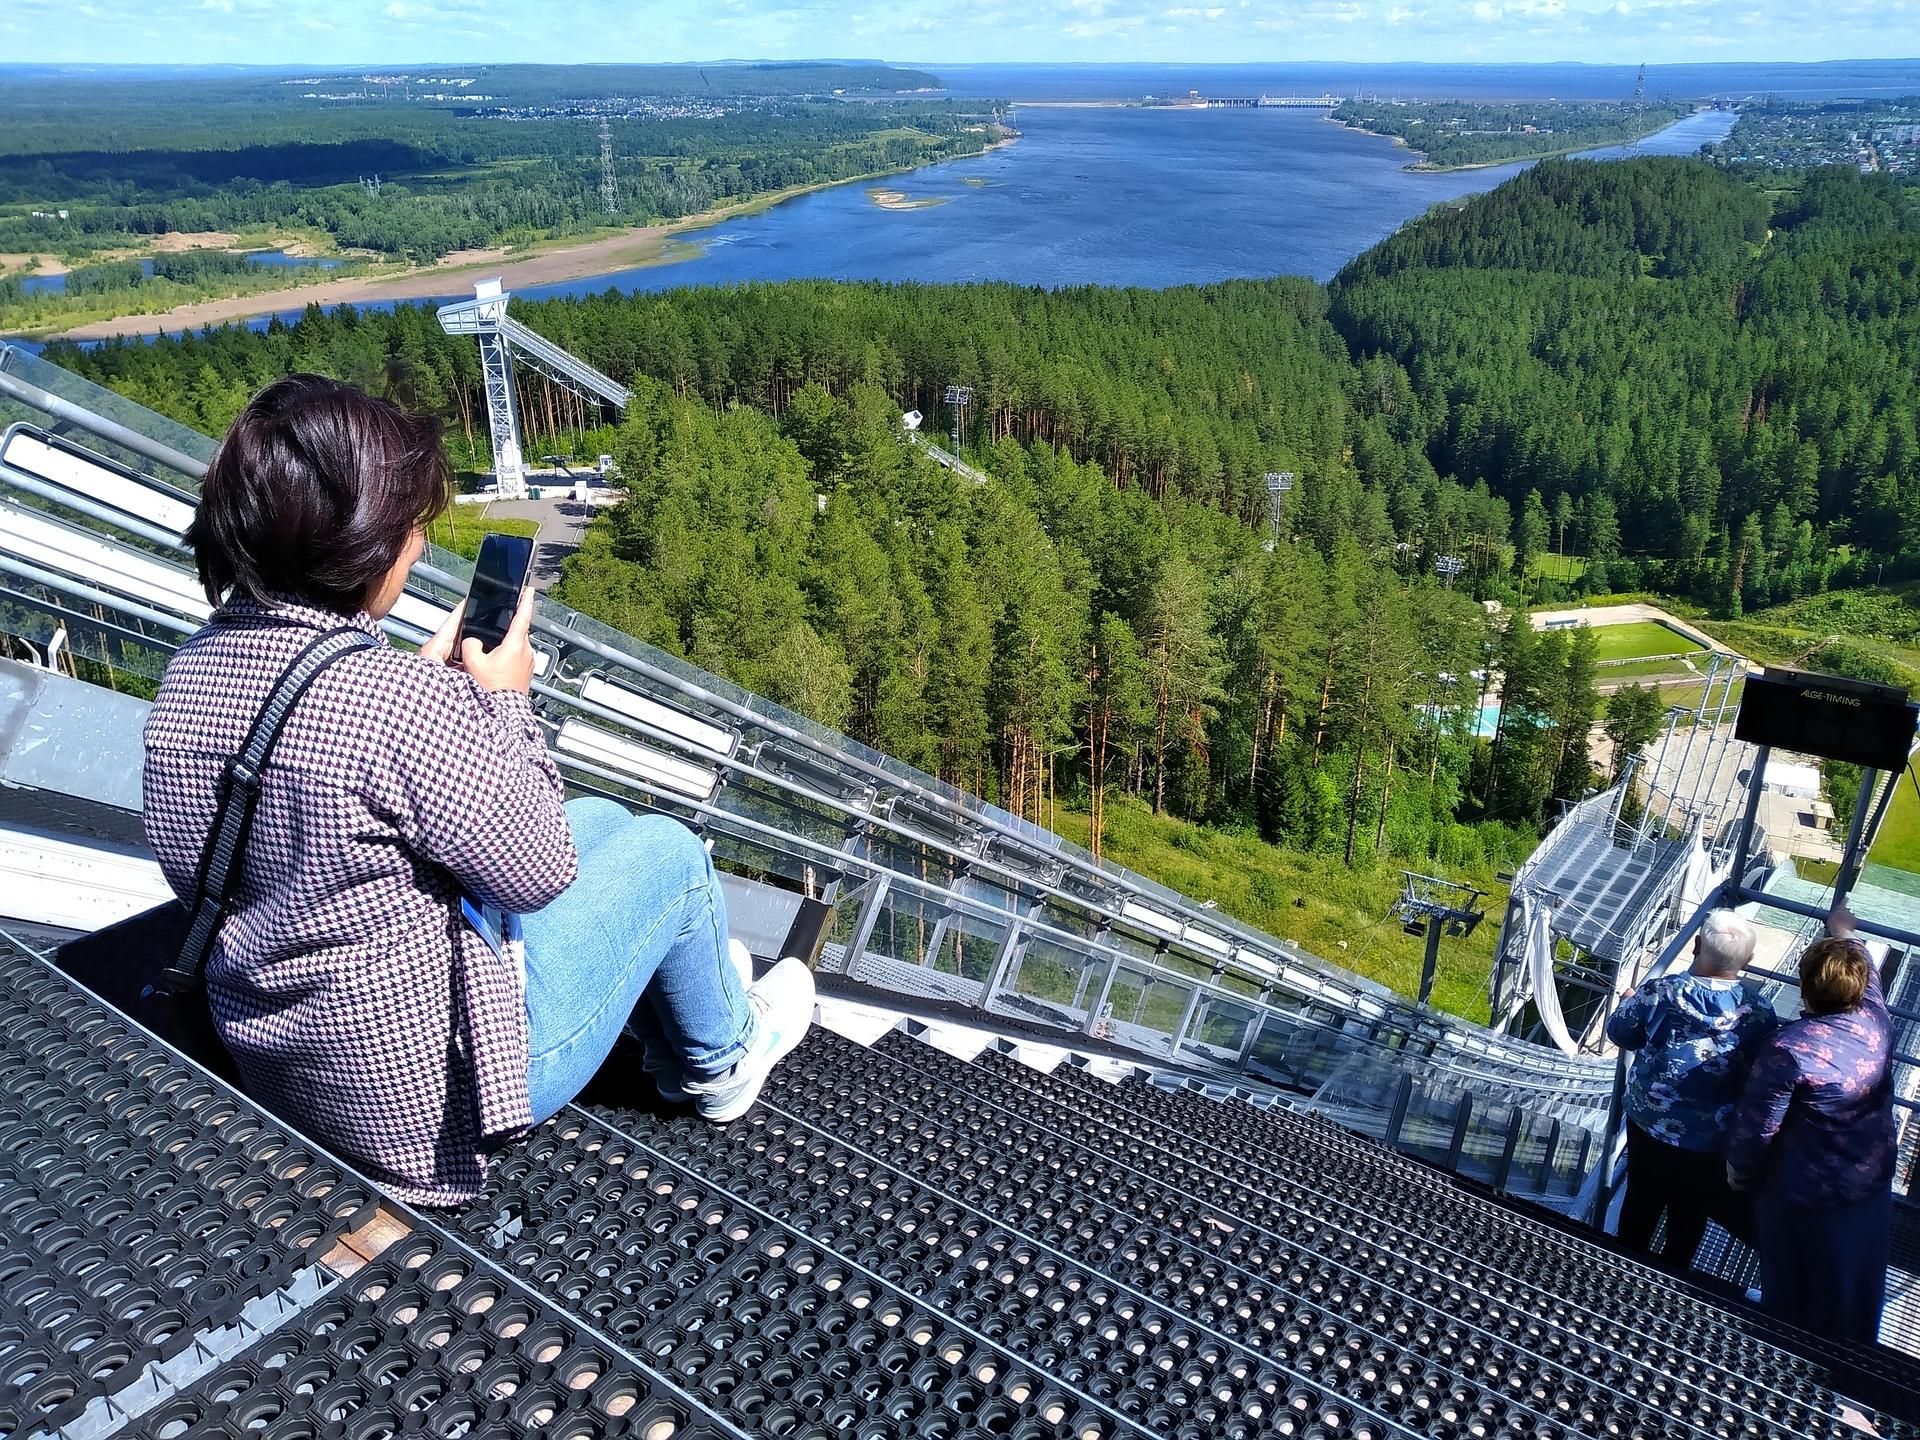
[1814, 1136]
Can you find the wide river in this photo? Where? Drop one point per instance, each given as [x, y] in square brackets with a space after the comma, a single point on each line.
[1090, 196]
[1094, 196]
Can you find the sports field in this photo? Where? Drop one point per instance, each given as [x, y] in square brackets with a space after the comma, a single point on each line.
[1898, 844]
[1640, 638]
[1642, 669]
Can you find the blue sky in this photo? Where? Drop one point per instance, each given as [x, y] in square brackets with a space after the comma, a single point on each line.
[318, 32]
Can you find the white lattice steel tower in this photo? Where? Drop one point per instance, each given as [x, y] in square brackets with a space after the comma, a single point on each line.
[486, 317]
[502, 341]
[1279, 483]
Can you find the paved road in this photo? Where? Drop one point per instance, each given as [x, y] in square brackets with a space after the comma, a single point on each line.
[562, 524]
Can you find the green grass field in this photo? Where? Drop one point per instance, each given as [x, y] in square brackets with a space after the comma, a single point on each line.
[463, 526]
[1559, 567]
[1641, 670]
[1774, 638]
[1898, 845]
[1639, 639]
[1313, 900]
[1689, 695]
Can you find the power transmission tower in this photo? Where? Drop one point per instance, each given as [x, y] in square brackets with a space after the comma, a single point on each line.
[609, 197]
[1640, 88]
[1447, 567]
[371, 186]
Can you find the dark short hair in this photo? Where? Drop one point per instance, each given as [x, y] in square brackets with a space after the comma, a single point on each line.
[314, 493]
[1833, 975]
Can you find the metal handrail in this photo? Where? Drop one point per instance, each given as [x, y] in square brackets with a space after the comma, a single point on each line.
[1260, 959]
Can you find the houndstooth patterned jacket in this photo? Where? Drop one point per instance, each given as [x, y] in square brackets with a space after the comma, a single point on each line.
[356, 999]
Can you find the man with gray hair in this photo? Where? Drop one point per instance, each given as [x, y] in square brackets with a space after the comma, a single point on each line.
[1695, 1033]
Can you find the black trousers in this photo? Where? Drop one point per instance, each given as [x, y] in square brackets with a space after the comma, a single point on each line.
[1825, 1269]
[1690, 1186]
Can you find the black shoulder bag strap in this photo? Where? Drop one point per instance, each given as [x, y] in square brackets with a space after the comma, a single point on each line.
[239, 792]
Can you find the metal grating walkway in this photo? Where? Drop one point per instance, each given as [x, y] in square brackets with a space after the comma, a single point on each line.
[896, 1241]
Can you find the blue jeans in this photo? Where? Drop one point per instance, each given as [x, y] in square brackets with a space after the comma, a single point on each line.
[641, 934]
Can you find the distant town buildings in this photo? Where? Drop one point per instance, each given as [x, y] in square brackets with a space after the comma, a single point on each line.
[618, 107]
[1882, 136]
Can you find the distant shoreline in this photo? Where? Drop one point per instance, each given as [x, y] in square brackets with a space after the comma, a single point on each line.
[547, 262]
[1426, 167]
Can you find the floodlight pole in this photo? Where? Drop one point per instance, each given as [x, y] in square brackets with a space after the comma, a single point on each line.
[1279, 482]
[958, 398]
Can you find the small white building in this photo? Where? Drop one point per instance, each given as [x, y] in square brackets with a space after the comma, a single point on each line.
[1788, 777]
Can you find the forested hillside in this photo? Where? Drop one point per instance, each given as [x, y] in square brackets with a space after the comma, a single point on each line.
[1453, 134]
[1650, 364]
[409, 166]
[1711, 391]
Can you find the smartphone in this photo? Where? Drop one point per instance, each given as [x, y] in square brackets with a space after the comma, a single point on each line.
[499, 579]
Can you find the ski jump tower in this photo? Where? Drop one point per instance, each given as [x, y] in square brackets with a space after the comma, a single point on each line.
[502, 341]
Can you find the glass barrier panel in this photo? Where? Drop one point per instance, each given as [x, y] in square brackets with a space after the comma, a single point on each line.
[1219, 1031]
[1059, 980]
[1486, 1141]
[967, 949]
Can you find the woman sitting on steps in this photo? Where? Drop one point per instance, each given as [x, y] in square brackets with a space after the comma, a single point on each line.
[408, 791]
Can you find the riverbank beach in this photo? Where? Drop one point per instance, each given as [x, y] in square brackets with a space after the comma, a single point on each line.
[1284, 191]
[548, 263]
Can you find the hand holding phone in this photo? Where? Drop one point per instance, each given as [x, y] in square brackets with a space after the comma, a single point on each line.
[508, 665]
[493, 646]
[499, 580]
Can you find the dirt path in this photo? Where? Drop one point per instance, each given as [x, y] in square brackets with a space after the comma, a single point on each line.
[546, 267]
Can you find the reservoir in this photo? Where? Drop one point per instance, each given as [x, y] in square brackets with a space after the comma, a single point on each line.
[1089, 195]
[1104, 196]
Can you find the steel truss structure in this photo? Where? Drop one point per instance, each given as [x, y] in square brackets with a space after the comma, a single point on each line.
[939, 900]
[502, 341]
[1621, 870]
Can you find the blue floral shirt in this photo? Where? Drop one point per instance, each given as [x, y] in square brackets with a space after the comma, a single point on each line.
[1695, 1039]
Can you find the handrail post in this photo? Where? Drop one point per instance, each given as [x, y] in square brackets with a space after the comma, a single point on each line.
[1505, 1170]
[1756, 781]
[1397, 1116]
[1462, 1117]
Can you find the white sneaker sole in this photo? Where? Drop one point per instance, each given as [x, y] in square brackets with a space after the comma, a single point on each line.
[719, 1109]
[669, 1081]
[738, 1105]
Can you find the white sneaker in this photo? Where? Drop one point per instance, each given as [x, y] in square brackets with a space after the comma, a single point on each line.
[661, 1064]
[782, 1006]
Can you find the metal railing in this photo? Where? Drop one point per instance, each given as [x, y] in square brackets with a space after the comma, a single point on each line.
[939, 892]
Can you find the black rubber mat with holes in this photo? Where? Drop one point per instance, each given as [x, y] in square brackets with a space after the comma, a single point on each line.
[1277, 1154]
[425, 1342]
[790, 1308]
[1278, 1171]
[140, 1201]
[1060, 1233]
